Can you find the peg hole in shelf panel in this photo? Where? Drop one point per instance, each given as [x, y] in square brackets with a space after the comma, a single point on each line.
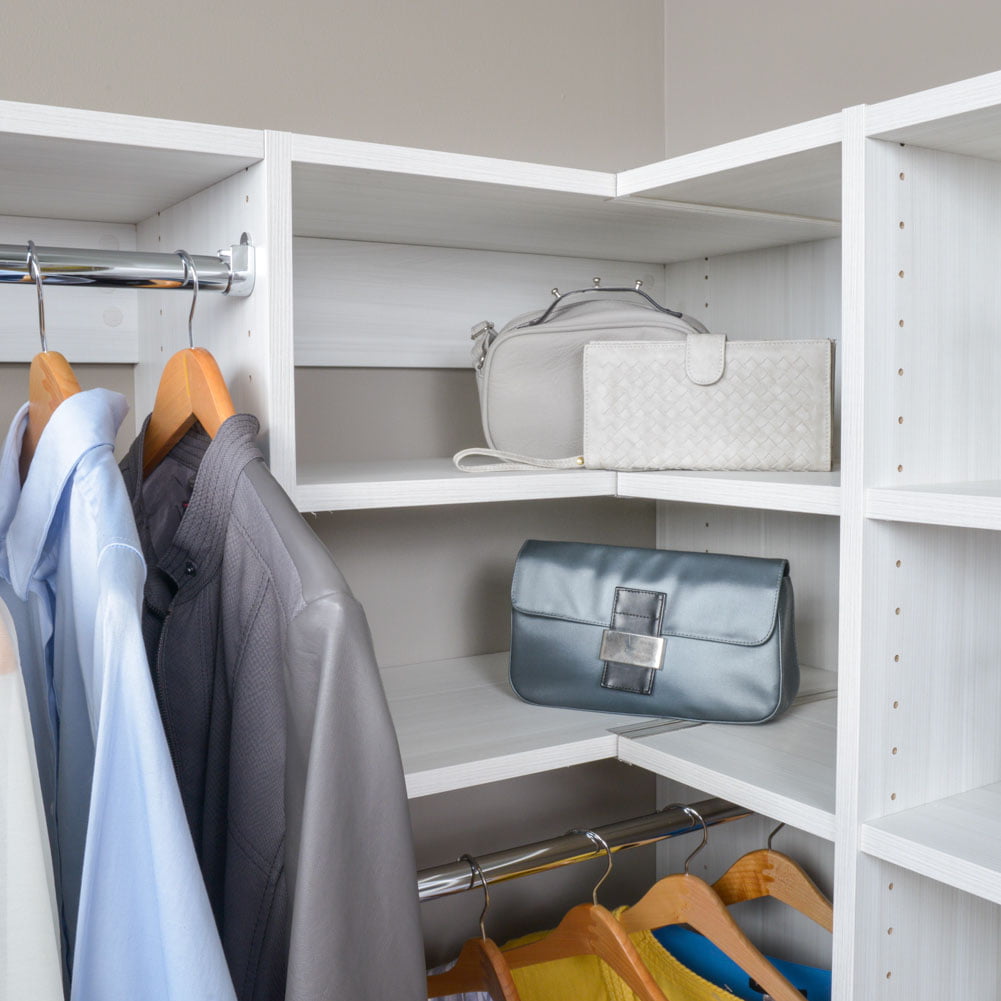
[945, 722]
[926, 958]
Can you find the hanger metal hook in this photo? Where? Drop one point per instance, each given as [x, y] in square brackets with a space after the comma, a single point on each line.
[596, 839]
[190, 270]
[692, 814]
[691, 811]
[774, 832]
[36, 276]
[477, 871]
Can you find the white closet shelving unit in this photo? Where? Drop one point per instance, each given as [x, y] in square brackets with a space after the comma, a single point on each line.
[879, 227]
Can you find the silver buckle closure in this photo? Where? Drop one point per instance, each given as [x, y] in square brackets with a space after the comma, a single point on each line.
[634, 649]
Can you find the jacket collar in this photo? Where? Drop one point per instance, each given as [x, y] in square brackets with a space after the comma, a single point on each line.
[196, 549]
[85, 421]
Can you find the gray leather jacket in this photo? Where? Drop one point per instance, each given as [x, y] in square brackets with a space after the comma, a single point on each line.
[278, 727]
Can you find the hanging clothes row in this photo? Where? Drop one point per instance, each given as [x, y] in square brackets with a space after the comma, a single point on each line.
[678, 943]
[225, 811]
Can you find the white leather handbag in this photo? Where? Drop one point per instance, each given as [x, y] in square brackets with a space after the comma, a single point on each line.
[530, 372]
[701, 403]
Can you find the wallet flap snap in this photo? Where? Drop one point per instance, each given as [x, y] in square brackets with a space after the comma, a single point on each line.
[705, 358]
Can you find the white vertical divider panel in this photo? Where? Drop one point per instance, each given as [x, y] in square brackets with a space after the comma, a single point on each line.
[851, 927]
[236, 330]
[281, 350]
[936, 232]
[932, 691]
[925, 940]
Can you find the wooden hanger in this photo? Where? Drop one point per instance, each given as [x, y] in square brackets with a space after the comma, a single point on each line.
[685, 899]
[191, 389]
[591, 930]
[481, 965]
[50, 380]
[769, 873]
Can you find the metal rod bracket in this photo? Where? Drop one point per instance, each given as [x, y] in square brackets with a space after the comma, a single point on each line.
[242, 261]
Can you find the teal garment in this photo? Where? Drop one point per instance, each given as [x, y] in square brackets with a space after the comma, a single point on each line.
[700, 955]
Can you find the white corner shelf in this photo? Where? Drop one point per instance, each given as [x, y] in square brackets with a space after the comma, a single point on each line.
[784, 769]
[460, 724]
[423, 482]
[956, 841]
[112, 168]
[365, 192]
[809, 493]
[975, 504]
[793, 171]
[962, 118]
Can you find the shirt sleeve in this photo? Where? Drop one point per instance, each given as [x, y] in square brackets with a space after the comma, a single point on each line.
[144, 920]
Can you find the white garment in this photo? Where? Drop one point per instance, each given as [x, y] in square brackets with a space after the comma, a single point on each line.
[30, 950]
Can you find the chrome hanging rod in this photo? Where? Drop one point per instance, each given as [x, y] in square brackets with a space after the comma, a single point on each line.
[230, 271]
[457, 877]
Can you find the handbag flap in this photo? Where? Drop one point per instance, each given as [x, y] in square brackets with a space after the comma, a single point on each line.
[709, 596]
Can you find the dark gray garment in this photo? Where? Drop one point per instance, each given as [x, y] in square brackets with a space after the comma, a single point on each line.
[278, 727]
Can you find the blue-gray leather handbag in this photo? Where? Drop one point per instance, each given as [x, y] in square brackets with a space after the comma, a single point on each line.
[651, 632]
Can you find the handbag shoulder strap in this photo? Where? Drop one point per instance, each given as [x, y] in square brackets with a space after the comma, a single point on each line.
[509, 461]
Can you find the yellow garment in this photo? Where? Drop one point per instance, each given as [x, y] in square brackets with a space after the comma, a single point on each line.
[587, 978]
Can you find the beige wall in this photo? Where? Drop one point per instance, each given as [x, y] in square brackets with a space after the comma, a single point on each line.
[571, 83]
[584, 83]
[734, 68]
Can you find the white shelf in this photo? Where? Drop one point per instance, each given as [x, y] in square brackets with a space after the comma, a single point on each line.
[960, 505]
[60, 163]
[364, 192]
[956, 841]
[793, 171]
[460, 724]
[422, 482]
[962, 117]
[811, 493]
[783, 769]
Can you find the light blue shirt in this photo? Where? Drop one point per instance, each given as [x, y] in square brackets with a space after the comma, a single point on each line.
[136, 917]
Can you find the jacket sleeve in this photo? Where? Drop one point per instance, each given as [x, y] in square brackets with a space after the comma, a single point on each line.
[356, 930]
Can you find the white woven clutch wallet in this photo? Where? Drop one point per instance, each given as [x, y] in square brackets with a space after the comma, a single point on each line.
[708, 403]
[701, 403]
